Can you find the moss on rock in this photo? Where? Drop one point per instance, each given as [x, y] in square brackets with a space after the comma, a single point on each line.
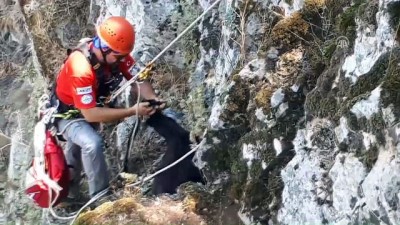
[321, 102]
[187, 14]
[263, 143]
[225, 153]
[394, 13]
[369, 157]
[196, 197]
[336, 7]
[320, 105]
[262, 188]
[390, 94]
[346, 22]
[263, 97]
[289, 2]
[367, 12]
[252, 183]
[197, 111]
[214, 33]
[384, 73]
[263, 197]
[329, 48]
[108, 210]
[236, 101]
[314, 5]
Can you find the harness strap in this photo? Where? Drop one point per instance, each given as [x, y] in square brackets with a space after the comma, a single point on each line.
[70, 114]
[106, 84]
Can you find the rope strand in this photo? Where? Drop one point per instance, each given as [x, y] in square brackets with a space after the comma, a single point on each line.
[169, 166]
[133, 79]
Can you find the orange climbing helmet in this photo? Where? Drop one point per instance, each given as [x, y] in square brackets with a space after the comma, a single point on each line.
[118, 34]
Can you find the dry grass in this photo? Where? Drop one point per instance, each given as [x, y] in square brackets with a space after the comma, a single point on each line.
[289, 31]
[174, 81]
[285, 75]
[289, 66]
[245, 11]
[313, 5]
[169, 77]
[44, 18]
[269, 17]
[263, 97]
[114, 211]
[134, 210]
[8, 69]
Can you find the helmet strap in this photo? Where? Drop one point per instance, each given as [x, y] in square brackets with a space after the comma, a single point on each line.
[105, 53]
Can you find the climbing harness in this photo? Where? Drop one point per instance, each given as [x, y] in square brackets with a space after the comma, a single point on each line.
[142, 73]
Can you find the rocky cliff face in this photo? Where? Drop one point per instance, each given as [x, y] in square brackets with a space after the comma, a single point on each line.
[297, 101]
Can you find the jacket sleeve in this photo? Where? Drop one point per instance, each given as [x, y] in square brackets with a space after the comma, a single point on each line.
[83, 93]
[83, 82]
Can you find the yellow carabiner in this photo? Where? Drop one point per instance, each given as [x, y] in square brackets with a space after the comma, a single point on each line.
[146, 72]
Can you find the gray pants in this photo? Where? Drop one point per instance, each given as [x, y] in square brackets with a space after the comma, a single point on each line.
[85, 147]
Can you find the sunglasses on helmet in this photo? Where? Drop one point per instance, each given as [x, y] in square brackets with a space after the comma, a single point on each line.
[100, 45]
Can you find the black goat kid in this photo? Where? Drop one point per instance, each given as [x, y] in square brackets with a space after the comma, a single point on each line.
[178, 144]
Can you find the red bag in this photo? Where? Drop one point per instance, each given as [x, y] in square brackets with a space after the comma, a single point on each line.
[48, 178]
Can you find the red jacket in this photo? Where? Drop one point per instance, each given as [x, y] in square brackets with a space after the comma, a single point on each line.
[77, 83]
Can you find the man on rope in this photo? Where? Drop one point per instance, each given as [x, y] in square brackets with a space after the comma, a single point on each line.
[89, 75]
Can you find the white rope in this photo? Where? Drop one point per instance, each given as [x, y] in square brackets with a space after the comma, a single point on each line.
[97, 196]
[133, 79]
[134, 128]
[43, 100]
[75, 215]
[69, 123]
[51, 210]
[167, 167]
[54, 214]
[136, 125]
[45, 112]
[5, 146]
[137, 116]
